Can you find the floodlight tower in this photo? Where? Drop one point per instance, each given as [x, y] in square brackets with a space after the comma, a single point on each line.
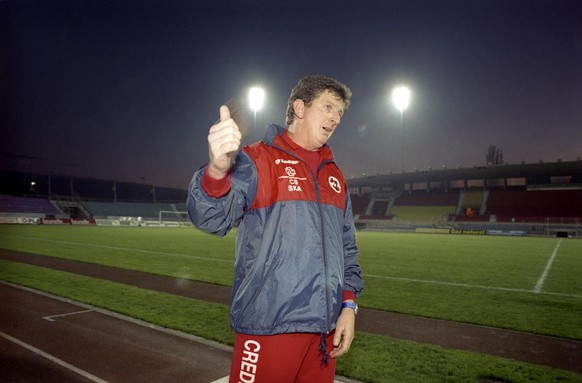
[401, 100]
[256, 100]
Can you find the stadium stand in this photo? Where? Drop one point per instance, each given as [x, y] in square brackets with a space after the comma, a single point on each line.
[524, 205]
[149, 211]
[470, 217]
[471, 206]
[539, 199]
[423, 198]
[472, 200]
[360, 203]
[39, 207]
[423, 206]
[379, 207]
[422, 213]
[180, 206]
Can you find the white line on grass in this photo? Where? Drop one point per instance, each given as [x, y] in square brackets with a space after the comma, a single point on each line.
[122, 248]
[540, 284]
[467, 285]
[53, 359]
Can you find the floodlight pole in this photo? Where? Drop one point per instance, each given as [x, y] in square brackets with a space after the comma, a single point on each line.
[256, 99]
[401, 141]
[401, 99]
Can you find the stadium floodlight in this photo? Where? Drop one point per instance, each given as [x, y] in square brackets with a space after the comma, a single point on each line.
[256, 100]
[401, 100]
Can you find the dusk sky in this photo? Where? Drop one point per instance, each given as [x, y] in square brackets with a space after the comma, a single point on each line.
[127, 90]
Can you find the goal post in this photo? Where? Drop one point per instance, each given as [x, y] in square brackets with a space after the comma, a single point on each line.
[173, 216]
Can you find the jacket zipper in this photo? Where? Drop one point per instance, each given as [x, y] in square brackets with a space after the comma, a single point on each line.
[317, 194]
[323, 243]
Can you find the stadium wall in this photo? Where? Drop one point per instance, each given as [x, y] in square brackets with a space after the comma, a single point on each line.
[548, 228]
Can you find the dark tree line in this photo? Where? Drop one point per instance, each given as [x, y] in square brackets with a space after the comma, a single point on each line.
[494, 155]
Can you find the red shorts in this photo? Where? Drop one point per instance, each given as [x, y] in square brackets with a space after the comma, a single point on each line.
[282, 358]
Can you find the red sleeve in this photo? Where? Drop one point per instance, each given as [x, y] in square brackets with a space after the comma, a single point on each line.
[215, 188]
[347, 295]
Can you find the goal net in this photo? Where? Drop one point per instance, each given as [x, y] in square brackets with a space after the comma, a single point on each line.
[173, 216]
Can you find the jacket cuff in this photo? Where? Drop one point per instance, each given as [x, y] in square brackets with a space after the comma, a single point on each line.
[215, 188]
[348, 295]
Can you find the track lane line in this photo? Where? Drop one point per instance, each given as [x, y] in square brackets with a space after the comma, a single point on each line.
[51, 318]
[126, 318]
[53, 359]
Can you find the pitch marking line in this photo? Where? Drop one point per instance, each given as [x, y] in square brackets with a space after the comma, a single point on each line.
[447, 283]
[540, 284]
[53, 359]
[51, 318]
[466, 285]
[120, 248]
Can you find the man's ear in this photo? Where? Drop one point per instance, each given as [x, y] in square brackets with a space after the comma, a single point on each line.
[298, 108]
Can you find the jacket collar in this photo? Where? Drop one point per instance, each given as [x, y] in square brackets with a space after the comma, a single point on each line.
[274, 137]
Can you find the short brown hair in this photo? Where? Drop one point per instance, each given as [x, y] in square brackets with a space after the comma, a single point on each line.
[310, 87]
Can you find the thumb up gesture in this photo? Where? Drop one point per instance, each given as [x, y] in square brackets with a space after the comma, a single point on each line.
[224, 139]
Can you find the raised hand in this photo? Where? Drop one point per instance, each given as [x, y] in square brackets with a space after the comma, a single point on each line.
[224, 139]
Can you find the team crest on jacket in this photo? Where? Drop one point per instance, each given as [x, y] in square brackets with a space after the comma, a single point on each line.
[293, 180]
[335, 184]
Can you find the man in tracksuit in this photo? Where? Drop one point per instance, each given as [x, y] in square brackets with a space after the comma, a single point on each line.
[296, 268]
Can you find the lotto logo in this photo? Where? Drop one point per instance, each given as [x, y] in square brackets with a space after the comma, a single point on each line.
[281, 161]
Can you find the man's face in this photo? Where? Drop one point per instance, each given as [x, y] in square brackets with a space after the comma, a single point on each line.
[321, 119]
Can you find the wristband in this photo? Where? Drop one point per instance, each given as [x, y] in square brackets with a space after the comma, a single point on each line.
[350, 305]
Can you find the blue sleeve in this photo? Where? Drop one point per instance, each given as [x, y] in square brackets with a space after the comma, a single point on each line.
[219, 215]
[352, 272]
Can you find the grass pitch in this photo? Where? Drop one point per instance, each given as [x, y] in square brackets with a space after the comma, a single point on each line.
[493, 281]
[475, 279]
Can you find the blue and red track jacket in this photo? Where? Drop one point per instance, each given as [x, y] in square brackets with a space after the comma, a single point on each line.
[295, 247]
